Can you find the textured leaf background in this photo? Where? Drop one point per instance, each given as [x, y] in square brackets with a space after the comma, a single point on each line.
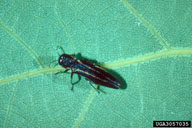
[147, 42]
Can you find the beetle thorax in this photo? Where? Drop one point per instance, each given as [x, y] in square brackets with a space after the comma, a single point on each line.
[66, 61]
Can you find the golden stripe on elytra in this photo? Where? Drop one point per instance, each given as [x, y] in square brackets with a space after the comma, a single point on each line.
[89, 66]
[93, 70]
[87, 74]
[93, 76]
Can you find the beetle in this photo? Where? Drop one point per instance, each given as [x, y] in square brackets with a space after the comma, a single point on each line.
[92, 72]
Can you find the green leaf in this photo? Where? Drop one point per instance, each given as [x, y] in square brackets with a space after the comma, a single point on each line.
[148, 43]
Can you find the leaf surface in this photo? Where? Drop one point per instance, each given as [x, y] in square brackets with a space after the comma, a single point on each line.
[148, 43]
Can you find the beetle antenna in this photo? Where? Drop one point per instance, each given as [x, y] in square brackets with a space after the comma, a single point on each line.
[60, 50]
[54, 61]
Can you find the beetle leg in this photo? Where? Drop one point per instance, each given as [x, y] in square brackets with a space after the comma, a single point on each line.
[79, 78]
[62, 72]
[96, 88]
[71, 81]
[74, 82]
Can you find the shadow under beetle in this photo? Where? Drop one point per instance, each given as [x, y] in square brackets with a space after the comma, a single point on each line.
[92, 72]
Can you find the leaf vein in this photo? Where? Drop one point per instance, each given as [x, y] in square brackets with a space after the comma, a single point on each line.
[22, 42]
[147, 25]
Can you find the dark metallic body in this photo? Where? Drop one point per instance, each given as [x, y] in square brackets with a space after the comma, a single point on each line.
[91, 72]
